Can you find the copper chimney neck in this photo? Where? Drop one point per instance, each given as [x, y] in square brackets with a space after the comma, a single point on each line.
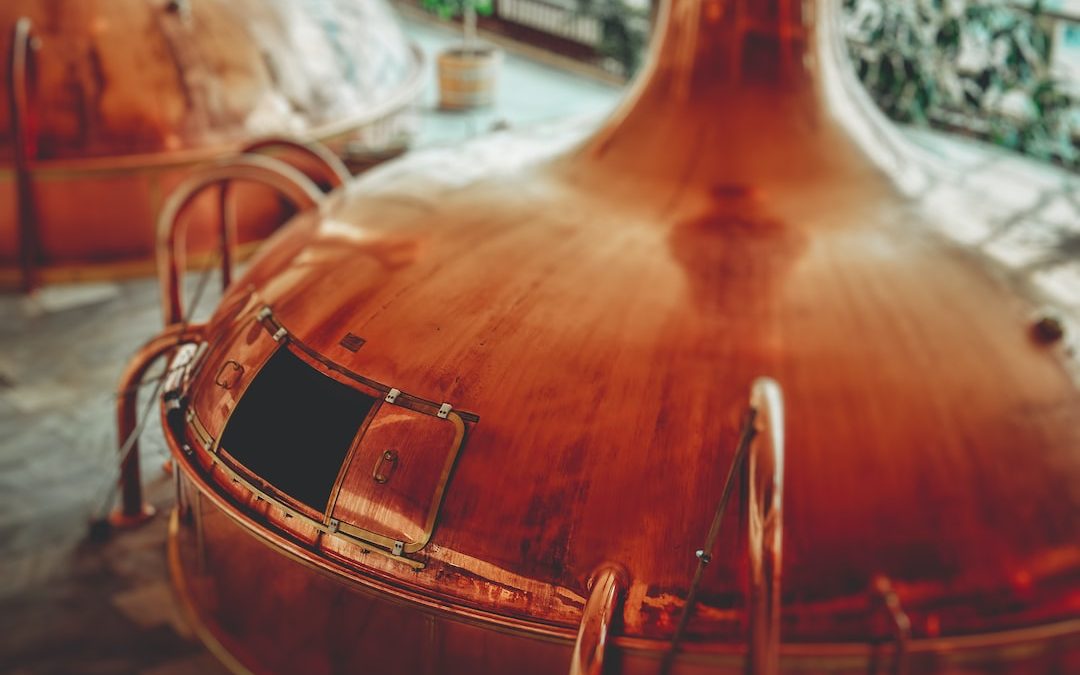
[710, 47]
[753, 90]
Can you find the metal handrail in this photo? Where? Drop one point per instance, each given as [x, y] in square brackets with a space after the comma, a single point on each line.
[331, 173]
[23, 45]
[289, 182]
[762, 466]
[765, 491]
[335, 173]
[133, 510]
[608, 586]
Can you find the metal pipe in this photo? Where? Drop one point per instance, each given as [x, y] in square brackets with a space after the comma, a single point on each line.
[133, 510]
[228, 239]
[330, 172]
[23, 45]
[608, 585]
[290, 183]
[765, 492]
[334, 172]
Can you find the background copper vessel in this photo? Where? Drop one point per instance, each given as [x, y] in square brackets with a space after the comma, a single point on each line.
[108, 104]
[564, 365]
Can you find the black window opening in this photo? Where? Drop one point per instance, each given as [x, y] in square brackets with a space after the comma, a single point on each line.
[293, 427]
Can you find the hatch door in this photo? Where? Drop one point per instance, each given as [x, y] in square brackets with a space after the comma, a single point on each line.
[393, 487]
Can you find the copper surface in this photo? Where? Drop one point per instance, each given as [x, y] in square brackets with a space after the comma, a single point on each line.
[604, 312]
[110, 140]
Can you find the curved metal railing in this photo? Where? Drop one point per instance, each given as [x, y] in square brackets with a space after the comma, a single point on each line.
[133, 510]
[765, 494]
[23, 45]
[332, 171]
[314, 160]
[286, 180]
[759, 458]
[608, 586]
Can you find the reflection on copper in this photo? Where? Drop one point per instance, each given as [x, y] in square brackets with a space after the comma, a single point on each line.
[24, 143]
[604, 312]
[765, 525]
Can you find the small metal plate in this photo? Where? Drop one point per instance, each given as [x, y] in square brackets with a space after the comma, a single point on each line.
[352, 342]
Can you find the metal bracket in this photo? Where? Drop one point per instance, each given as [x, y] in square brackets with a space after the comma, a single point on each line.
[333, 525]
[399, 548]
[444, 411]
[264, 313]
[392, 395]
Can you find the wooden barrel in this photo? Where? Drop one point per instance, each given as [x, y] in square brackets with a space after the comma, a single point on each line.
[467, 77]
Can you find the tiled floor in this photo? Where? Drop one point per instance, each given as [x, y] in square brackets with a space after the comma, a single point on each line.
[68, 605]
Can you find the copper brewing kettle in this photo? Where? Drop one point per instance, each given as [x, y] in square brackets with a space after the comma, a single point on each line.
[703, 394]
[107, 105]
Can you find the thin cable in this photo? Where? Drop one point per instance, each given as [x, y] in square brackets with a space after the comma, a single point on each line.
[132, 438]
[704, 555]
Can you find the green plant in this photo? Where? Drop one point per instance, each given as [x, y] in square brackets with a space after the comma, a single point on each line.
[624, 31]
[467, 9]
[977, 65]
